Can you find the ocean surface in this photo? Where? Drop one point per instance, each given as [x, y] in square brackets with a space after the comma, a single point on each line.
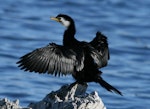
[25, 25]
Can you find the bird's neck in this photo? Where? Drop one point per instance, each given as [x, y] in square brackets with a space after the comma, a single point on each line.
[69, 38]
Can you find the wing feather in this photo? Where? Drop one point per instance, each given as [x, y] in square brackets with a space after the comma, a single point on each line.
[53, 59]
[101, 52]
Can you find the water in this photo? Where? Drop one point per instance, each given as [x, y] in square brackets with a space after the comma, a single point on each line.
[25, 25]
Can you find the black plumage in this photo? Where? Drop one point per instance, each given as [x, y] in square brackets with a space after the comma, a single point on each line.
[79, 58]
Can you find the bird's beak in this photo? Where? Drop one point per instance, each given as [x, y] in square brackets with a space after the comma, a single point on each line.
[54, 18]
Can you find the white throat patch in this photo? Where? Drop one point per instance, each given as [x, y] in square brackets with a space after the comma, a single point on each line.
[66, 23]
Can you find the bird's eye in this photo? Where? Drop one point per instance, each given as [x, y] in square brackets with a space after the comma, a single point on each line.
[61, 19]
[64, 21]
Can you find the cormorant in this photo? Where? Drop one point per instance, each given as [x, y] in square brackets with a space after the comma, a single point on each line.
[79, 58]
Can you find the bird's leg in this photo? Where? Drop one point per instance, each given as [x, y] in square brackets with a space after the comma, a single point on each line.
[81, 83]
[72, 84]
[77, 82]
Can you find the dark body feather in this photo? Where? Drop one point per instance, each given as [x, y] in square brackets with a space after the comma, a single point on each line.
[81, 59]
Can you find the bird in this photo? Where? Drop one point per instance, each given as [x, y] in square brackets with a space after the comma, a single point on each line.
[81, 59]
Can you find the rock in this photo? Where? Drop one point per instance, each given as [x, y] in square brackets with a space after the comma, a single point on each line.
[7, 104]
[70, 97]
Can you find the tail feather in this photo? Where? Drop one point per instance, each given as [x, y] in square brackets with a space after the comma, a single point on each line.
[108, 86]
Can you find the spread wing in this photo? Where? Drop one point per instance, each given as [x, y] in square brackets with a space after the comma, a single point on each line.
[53, 59]
[101, 52]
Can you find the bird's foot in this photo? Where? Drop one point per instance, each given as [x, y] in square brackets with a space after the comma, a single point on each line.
[73, 84]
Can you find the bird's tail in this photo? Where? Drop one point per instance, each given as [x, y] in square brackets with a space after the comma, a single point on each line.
[108, 86]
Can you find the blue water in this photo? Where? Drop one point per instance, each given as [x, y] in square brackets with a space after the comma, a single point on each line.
[25, 25]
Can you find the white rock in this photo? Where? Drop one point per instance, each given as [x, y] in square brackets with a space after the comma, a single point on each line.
[70, 97]
[7, 104]
[67, 97]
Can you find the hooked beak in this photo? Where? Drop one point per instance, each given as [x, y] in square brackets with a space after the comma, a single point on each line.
[54, 18]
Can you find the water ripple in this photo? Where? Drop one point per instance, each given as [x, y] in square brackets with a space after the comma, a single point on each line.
[25, 25]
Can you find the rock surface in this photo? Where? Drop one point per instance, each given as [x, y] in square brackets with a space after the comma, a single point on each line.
[7, 104]
[67, 97]
[70, 97]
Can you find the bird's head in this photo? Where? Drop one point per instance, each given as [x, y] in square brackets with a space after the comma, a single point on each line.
[63, 19]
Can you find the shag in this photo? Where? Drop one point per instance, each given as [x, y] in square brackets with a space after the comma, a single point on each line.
[79, 58]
